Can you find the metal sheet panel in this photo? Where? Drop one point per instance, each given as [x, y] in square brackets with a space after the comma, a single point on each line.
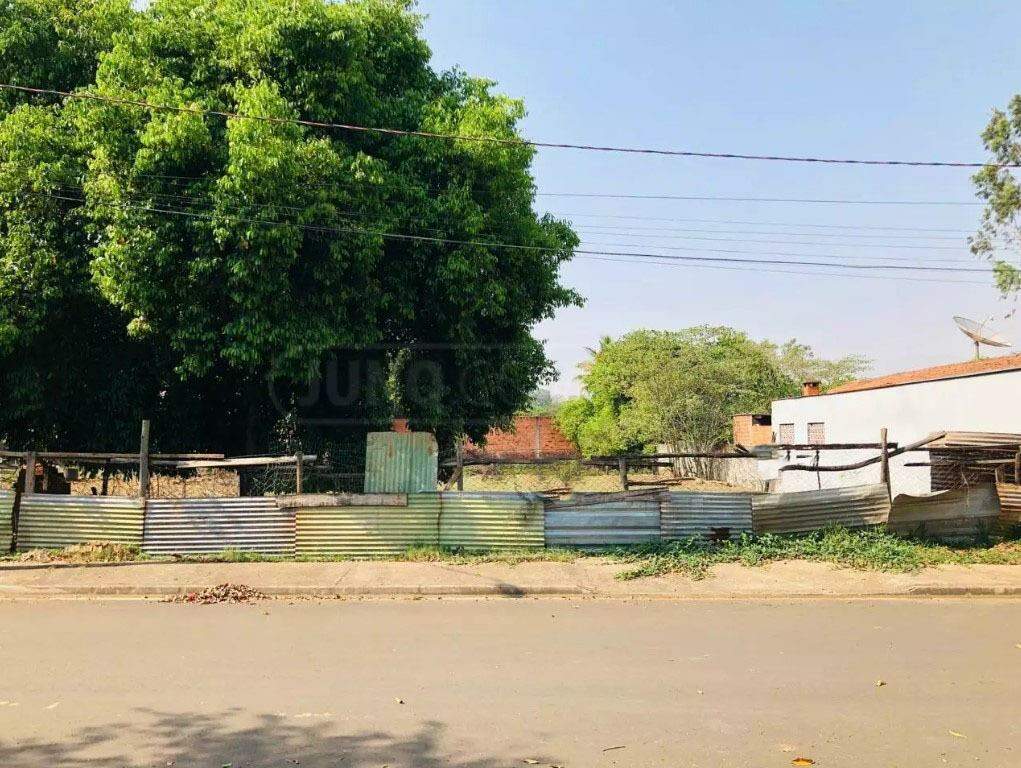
[954, 515]
[1005, 440]
[49, 521]
[6, 520]
[1010, 503]
[360, 531]
[601, 524]
[485, 521]
[205, 526]
[695, 515]
[400, 462]
[804, 511]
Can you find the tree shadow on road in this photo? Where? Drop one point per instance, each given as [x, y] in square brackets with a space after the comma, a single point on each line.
[174, 740]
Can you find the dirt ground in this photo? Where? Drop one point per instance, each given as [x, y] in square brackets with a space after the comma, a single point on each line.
[561, 477]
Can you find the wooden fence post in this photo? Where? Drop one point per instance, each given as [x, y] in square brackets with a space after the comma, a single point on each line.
[143, 461]
[622, 468]
[29, 485]
[884, 465]
[459, 470]
[1017, 468]
[298, 479]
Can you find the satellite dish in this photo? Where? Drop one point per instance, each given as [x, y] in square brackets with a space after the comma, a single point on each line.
[979, 334]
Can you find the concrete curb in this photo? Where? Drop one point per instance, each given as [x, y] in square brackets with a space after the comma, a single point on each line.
[502, 590]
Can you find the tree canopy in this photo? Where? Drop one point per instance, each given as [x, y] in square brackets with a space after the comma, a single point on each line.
[218, 272]
[683, 387]
[1000, 230]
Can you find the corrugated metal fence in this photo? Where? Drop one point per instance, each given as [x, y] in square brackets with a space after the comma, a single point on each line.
[959, 514]
[372, 525]
[203, 526]
[485, 520]
[705, 515]
[348, 528]
[582, 520]
[47, 521]
[1010, 503]
[804, 511]
[6, 520]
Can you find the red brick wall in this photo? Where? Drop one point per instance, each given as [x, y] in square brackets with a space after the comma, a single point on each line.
[749, 429]
[529, 437]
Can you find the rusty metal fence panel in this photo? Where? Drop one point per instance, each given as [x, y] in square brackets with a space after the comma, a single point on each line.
[357, 530]
[50, 521]
[484, 521]
[400, 462]
[804, 511]
[580, 520]
[7, 499]
[701, 515]
[955, 515]
[205, 526]
[1010, 503]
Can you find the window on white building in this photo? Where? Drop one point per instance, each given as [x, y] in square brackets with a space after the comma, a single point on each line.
[785, 434]
[816, 432]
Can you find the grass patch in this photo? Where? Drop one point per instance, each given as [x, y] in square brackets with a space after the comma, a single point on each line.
[463, 556]
[82, 554]
[876, 550]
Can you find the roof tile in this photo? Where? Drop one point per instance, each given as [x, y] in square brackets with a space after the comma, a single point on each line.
[949, 371]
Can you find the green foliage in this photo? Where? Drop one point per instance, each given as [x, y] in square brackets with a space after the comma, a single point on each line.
[683, 387]
[228, 253]
[799, 363]
[873, 549]
[1000, 189]
[676, 387]
[55, 43]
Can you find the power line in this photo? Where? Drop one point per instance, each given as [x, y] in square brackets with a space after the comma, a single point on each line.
[814, 273]
[710, 198]
[504, 141]
[835, 257]
[619, 233]
[764, 223]
[635, 228]
[533, 248]
[912, 247]
[841, 257]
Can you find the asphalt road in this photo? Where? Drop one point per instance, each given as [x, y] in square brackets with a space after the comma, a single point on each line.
[492, 683]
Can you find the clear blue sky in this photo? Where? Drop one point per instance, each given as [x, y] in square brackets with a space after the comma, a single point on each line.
[866, 79]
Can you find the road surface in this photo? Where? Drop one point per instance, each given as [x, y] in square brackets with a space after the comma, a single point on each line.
[481, 684]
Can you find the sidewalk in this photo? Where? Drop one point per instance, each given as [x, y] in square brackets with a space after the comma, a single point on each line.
[589, 577]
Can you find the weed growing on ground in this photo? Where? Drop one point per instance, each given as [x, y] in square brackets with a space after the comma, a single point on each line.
[874, 549]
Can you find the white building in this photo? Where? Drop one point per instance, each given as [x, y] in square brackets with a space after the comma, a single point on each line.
[977, 396]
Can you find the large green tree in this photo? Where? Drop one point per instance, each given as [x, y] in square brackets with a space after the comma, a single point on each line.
[682, 388]
[999, 236]
[261, 267]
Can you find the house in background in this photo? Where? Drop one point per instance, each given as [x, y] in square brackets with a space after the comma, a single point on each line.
[979, 396]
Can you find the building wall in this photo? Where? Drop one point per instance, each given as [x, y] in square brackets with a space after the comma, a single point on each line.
[985, 403]
[751, 429]
[529, 437]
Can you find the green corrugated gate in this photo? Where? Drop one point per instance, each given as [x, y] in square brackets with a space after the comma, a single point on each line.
[53, 521]
[6, 520]
[400, 462]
